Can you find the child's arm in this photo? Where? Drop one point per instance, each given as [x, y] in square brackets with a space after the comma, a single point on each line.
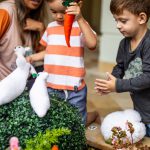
[133, 84]
[118, 70]
[139, 82]
[36, 57]
[89, 36]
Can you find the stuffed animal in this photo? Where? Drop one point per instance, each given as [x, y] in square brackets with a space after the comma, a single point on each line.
[39, 98]
[119, 119]
[14, 84]
[14, 143]
[20, 52]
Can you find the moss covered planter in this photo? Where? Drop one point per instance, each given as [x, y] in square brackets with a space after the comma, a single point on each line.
[18, 119]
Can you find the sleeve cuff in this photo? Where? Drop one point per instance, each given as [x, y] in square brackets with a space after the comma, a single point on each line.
[121, 86]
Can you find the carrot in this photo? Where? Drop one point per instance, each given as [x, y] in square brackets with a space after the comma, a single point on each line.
[68, 21]
[55, 147]
[68, 26]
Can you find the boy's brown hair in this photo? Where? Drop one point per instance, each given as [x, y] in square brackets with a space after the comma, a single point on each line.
[133, 6]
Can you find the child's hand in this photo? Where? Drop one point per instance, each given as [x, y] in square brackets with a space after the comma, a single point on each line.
[106, 86]
[74, 9]
[29, 59]
[101, 92]
[34, 25]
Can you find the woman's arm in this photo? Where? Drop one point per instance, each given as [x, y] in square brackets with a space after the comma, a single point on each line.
[34, 25]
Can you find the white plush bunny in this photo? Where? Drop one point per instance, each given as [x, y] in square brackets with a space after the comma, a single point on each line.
[39, 98]
[119, 119]
[14, 84]
[21, 51]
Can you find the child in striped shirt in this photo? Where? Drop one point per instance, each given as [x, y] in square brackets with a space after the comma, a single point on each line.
[64, 64]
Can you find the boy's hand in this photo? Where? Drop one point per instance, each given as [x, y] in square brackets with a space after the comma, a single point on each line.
[34, 25]
[75, 9]
[101, 92]
[106, 86]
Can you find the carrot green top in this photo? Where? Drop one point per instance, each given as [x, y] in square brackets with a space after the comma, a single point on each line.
[67, 2]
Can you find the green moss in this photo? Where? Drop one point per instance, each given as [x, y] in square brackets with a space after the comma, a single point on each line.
[18, 119]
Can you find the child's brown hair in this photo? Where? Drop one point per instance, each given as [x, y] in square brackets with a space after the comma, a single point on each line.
[133, 6]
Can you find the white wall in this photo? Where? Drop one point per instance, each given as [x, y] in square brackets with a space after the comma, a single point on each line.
[110, 36]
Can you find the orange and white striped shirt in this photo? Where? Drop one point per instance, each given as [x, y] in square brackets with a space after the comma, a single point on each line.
[64, 64]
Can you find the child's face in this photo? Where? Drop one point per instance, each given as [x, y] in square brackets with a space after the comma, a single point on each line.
[57, 10]
[127, 23]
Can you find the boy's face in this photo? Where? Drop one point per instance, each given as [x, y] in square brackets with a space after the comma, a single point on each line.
[127, 23]
[57, 10]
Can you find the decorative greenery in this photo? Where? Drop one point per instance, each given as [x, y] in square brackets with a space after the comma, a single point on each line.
[67, 2]
[47, 140]
[18, 119]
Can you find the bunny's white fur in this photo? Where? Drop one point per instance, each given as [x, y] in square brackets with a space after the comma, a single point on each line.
[119, 119]
[39, 98]
[14, 84]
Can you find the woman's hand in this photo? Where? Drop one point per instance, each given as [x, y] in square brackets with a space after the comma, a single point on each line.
[34, 25]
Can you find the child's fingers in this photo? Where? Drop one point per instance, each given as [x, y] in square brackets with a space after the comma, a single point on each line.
[99, 91]
[101, 88]
[100, 85]
[73, 4]
[29, 59]
[101, 81]
[72, 9]
[106, 91]
[80, 3]
[102, 92]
